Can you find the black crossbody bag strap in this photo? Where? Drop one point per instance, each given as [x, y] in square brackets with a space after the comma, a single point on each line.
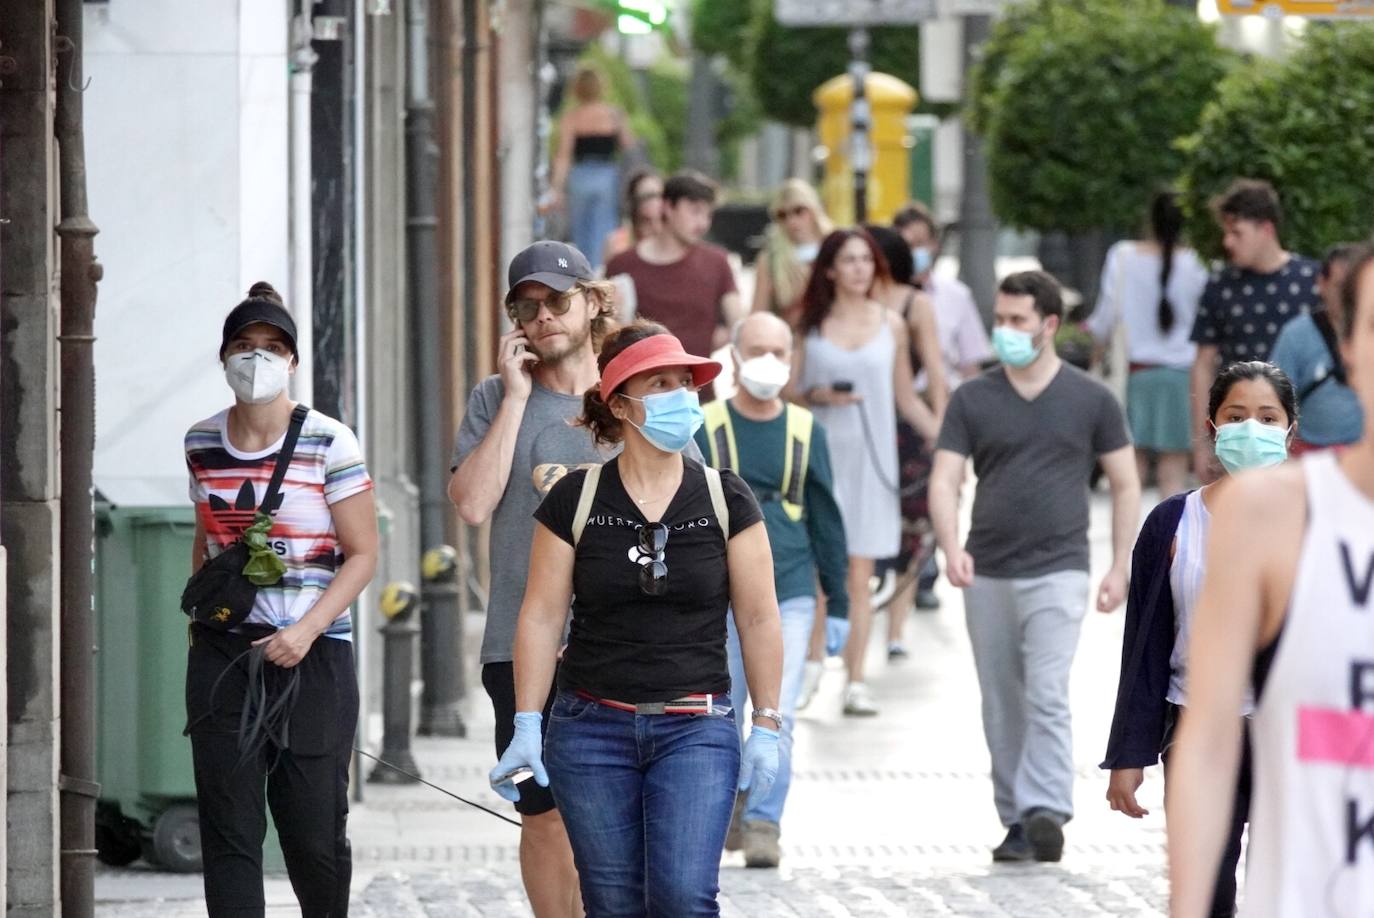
[1322, 319]
[1328, 332]
[288, 449]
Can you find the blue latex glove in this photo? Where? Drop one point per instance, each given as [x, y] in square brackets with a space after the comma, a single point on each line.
[836, 635]
[758, 767]
[526, 750]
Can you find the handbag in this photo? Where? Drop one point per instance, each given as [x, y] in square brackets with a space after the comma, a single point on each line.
[221, 594]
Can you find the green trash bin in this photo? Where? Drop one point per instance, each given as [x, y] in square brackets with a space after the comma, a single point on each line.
[147, 801]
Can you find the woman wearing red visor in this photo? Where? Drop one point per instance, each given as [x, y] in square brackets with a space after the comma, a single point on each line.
[651, 551]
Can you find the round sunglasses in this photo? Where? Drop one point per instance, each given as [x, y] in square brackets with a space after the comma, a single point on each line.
[525, 309]
[653, 577]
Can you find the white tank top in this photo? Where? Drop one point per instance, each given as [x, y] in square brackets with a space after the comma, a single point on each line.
[1311, 852]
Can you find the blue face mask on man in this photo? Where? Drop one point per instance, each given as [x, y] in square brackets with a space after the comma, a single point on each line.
[922, 258]
[1249, 444]
[670, 419]
[1015, 348]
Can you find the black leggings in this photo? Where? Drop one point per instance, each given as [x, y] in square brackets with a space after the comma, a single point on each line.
[1224, 892]
[306, 784]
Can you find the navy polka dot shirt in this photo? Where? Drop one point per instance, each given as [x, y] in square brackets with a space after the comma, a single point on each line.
[1242, 311]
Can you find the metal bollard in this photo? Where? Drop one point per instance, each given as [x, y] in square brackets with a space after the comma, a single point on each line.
[399, 601]
[441, 662]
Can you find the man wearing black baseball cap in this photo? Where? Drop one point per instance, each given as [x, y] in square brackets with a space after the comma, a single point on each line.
[514, 443]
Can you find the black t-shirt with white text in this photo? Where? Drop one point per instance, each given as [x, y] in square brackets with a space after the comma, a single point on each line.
[624, 644]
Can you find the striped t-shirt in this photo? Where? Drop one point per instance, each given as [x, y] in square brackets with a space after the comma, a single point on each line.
[228, 484]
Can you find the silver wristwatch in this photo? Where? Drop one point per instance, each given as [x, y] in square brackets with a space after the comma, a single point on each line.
[769, 714]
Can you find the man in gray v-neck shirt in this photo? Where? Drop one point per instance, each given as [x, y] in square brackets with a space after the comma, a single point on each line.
[1034, 428]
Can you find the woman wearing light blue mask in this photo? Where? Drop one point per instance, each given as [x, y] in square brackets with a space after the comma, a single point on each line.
[791, 243]
[651, 551]
[1253, 411]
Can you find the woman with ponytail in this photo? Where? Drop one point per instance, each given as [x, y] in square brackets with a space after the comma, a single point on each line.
[1152, 286]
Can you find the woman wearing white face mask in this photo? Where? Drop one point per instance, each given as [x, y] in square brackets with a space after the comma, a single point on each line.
[297, 639]
[793, 239]
[1253, 410]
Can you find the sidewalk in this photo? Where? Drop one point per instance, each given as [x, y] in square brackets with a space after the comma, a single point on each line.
[888, 816]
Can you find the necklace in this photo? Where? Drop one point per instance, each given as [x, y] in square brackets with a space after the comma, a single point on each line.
[648, 500]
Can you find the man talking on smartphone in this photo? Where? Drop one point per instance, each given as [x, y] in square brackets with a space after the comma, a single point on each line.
[514, 443]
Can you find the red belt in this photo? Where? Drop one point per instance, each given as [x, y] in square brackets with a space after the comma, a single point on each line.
[687, 704]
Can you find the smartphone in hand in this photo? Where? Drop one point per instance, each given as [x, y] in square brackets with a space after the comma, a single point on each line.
[516, 776]
[842, 385]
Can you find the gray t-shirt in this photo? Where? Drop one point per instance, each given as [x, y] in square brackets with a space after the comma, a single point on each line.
[1033, 461]
[547, 447]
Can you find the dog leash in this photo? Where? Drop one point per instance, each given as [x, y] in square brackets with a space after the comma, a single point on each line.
[441, 790]
[265, 719]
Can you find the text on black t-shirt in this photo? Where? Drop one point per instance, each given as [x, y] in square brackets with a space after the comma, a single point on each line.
[627, 645]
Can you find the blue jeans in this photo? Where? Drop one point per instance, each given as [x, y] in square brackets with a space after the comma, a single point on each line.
[798, 614]
[646, 799]
[593, 205]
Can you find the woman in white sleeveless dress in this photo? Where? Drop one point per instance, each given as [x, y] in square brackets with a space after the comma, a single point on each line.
[852, 370]
[1289, 595]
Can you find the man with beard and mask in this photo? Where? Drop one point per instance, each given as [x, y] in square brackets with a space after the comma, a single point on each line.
[681, 281]
[515, 442]
[781, 454]
[1034, 427]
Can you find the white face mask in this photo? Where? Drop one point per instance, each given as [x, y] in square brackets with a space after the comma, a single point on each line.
[807, 252]
[763, 377]
[257, 377]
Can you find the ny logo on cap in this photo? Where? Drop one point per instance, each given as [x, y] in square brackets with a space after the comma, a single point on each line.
[562, 262]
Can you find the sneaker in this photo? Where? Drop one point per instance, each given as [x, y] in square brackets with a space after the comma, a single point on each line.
[927, 601]
[812, 671]
[1045, 832]
[858, 700]
[734, 839]
[896, 651]
[761, 847]
[1014, 847]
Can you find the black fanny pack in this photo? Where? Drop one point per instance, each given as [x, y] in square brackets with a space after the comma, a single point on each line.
[221, 594]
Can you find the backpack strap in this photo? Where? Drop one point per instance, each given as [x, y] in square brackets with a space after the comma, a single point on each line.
[1322, 319]
[798, 446]
[718, 500]
[720, 435]
[288, 450]
[584, 503]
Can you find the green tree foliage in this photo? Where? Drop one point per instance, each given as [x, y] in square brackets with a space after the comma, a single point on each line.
[1307, 126]
[1081, 103]
[787, 64]
[721, 28]
[668, 100]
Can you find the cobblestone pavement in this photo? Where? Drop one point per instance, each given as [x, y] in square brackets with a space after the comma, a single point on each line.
[888, 816]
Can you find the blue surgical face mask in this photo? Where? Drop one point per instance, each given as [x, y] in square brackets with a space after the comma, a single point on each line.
[807, 251]
[1249, 444]
[670, 418]
[1015, 348]
[922, 258]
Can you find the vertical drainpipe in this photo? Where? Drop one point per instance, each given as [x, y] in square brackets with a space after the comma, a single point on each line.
[77, 782]
[439, 619]
[301, 297]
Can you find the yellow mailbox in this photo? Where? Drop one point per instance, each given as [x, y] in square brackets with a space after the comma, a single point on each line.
[889, 179]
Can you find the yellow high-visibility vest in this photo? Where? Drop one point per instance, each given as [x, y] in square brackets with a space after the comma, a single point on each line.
[723, 454]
